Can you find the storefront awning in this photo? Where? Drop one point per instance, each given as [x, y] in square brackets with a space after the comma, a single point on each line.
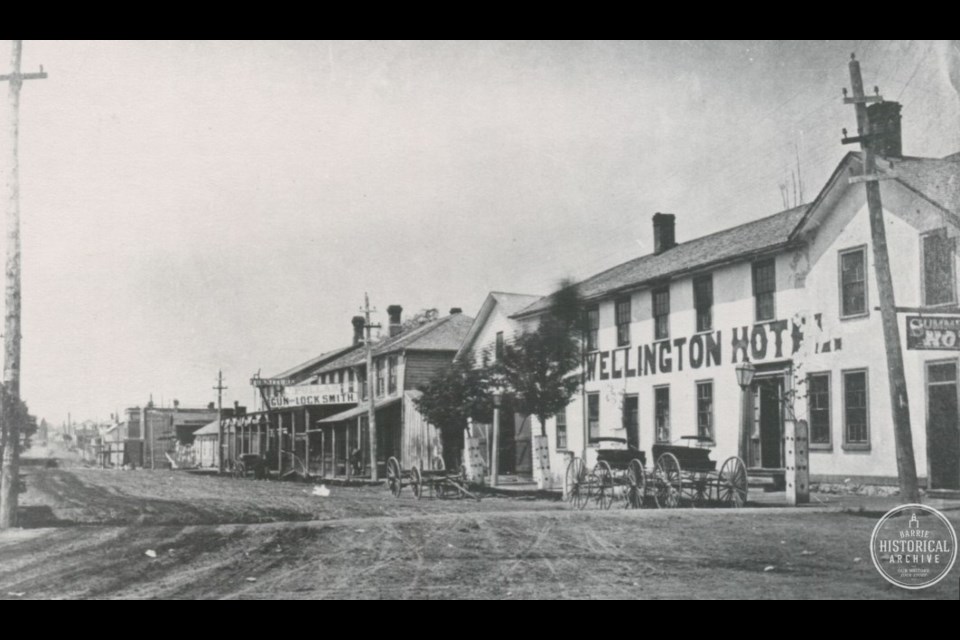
[358, 410]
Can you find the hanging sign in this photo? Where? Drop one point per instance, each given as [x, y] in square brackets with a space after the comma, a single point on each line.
[311, 394]
[933, 333]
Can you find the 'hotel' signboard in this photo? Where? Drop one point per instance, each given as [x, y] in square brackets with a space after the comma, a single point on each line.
[933, 332]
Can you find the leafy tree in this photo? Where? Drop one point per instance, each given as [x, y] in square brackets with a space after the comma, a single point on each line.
[541, 368]
[457, 393]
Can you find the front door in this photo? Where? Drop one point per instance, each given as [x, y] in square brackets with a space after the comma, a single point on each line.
[943, 425]
[768, 437]
[631, 419]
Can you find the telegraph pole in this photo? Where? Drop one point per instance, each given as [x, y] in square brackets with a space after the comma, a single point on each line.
[866, 136]
[371, 410]
[220, 388]
[9, 479]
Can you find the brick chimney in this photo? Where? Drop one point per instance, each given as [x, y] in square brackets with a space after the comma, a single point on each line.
[358, 325]
[663, 232]
[455, 310]
[394, 312]
[885, 122]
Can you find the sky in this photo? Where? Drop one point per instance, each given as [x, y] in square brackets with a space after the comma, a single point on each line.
[195, 206]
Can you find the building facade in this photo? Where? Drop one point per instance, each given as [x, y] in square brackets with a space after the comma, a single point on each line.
[795, 295]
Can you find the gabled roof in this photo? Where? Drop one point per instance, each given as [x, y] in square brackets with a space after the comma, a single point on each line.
[443, 334]
[740, 242]
[509, 304]
[307, 367]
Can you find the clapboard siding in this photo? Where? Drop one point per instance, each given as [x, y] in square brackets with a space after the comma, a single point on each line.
[421, 367]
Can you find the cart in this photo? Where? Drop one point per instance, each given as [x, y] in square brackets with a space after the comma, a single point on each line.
[250, 464]
[619, 473]
[681, 474]
[441, 481]
[686, 473]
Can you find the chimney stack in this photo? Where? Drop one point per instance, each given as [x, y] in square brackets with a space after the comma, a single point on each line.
[455, 310]
[885, 124]
[358, 325]
[663, 232]
[394, 312]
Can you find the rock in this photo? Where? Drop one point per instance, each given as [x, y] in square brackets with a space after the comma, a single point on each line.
[150, 553]
[251, 579]
[768, 568]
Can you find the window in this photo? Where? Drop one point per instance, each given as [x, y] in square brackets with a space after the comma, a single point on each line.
[380, 377]
[499, 351]
[392, 375]
[592, 327]
[593, 415]
[661, 313]
[764, 287]
[705, 410]
[362, 382]
[350, 388]
[856, 432]
[661, 404]
[340, 377]
[818, 408]
[939, 256]
[631, 419]
[623, 322]
[562, 430]
[703, 302]
[853, 283]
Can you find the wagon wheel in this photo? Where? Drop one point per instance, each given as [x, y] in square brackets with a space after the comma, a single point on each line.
[603, 484]
[669, 487]
[394, 478]
[416, 482]
[439, 488]
[701, 490]
[636, 485]
[575, 485]
[732, 483]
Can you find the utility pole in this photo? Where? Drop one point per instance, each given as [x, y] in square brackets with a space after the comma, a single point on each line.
[371, 410]
[9, 478]
[866, 136]
[219, 388]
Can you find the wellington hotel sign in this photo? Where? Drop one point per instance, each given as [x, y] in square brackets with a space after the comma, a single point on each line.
[710, 349]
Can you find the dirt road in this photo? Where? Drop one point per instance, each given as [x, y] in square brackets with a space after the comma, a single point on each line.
[224, 538]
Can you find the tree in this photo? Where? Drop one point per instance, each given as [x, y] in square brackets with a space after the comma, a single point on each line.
[453, 396]
[541, 368]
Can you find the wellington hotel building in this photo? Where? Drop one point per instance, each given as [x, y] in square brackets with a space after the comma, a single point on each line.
[795, 295]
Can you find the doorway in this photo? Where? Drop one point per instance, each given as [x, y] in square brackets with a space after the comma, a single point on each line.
[766, 446]
[943, 425]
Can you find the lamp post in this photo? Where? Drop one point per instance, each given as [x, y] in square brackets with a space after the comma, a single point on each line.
[495, 453]
[745, 373]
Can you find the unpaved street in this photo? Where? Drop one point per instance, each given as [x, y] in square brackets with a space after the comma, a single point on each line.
[90, 531]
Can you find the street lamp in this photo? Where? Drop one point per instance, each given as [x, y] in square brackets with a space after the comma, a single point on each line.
[495, 453]
[745, 373]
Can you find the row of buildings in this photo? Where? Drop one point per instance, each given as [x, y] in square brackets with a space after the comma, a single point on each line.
[793, 293]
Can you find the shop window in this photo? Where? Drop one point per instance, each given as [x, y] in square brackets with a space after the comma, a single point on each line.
[661, 404]
[705, 410]
[593, 415]
[818, 409]
[856, 413]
